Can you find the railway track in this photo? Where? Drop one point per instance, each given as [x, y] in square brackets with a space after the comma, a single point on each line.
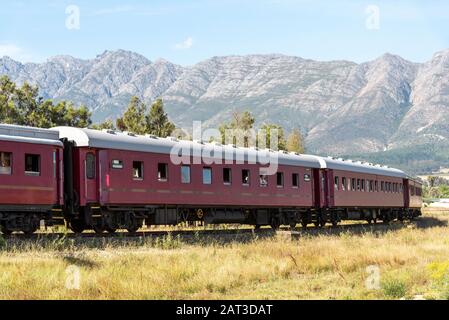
[239, 234]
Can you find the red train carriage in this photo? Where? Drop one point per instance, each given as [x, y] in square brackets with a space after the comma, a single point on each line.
[358, 190]
[116, 180]
[122, 179]
[30, 177]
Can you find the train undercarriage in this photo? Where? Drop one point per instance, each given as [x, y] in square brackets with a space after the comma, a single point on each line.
[111, 219]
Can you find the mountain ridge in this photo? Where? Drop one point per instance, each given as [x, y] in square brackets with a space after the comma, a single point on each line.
[342, 107]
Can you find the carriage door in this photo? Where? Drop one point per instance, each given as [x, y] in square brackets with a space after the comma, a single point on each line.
[320, 187]
[406, 192]
[91, 175]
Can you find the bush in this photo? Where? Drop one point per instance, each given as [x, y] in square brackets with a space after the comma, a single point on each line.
[2, 242]
[394, 288]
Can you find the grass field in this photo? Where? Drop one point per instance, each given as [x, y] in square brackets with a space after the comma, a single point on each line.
[405, 261]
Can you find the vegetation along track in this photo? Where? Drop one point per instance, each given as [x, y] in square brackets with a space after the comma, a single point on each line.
[237, 234]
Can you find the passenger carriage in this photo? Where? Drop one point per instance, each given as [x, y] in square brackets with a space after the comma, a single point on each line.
[30, 177]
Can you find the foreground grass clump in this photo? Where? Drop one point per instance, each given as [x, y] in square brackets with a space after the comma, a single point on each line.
[407, 261]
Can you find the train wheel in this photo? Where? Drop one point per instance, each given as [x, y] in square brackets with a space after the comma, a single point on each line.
[98, 229]
[293, 225]
[257, 227]
[316, 224]
[111, 230]
[132, 229]
[5, 231]
[322, 223]
[29, 230]
[77, 226]
[275, 224]
[304, 224]
[334, 223]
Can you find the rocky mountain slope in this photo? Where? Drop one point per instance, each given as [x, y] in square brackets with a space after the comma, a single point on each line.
[342, 107]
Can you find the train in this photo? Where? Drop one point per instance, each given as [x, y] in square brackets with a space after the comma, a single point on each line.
[106, 180]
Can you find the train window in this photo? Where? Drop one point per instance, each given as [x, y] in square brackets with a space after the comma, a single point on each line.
[358, 184]
[382, 186]
[32, 165]
[263, 180]
[363, 185]
[137, 170]
[280, 179]
[162, 172]
[343, 184]
[401, 188]
[117, 164]
[353, 184]
[245, 177]
[307, 177]
[185, 174]
[5, 163]
[412, 190]
[295, 180]
[376, 186]
[336, 182]
[227, 176]
[207, 175]
[90, 166]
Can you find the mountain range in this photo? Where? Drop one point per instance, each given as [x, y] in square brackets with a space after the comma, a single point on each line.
[342, 107]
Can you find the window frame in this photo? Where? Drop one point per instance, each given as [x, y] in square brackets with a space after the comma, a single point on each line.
[185, 166]
[2, 154]
[229, 170]
[33, 173]
[281, 175]
[91, 160]
[248, 183]
[159, 178]
[142, 171]
[207, 169]
[295, 176]
[263, 177]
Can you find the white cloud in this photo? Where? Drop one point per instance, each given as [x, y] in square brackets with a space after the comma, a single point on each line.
[186, 44]
[14, 52]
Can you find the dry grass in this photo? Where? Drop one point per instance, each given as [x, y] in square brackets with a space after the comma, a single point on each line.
[411, 260]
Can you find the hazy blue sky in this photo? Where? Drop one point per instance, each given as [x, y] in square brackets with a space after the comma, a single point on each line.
[187, 32]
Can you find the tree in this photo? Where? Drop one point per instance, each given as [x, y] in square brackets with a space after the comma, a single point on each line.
[295, 142]
[241, 124]
[23, 106]
[157, 122]
[133, 119]
[267, 131]
[8, 111]
[108, 124]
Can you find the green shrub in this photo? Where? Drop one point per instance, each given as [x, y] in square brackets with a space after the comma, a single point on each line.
[394, 288]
